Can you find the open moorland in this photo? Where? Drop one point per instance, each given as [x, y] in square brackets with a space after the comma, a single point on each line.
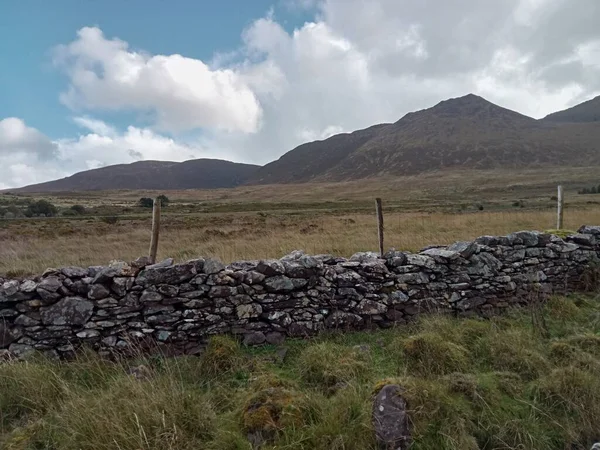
[255, 222]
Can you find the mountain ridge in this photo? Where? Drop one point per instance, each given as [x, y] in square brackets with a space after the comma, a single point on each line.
[467, 132]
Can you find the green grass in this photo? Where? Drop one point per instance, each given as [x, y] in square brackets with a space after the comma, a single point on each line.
[470, 384]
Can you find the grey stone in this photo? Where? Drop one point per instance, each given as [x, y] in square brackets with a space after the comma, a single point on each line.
[270, 267]
[413, 278]
[441, 253]
[150, 296]
[28, 286]
[370, 307]
[26, 321]
[68, 311]
[74, 272]
[8, 335]
[293, 255]
[177, 274]
[167, 290]
[466, 249]
[98, 292]
[120, 285]
[420, 260]
[589, 229]
[168, 262]
[364, 256]
[212, 266]
[390, 419]
[248, 311]
[587, 240]
[88, 334]
[50, 284]
[279, 283]
[254, 338]
[275, 338]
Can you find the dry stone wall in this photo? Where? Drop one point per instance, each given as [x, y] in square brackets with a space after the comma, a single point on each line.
[175, 307]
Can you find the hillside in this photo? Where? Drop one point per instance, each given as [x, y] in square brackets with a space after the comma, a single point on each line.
[193, 174]
[467, 132]
[584, 112]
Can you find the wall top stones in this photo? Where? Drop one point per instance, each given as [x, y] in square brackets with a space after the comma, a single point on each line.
[176, 306]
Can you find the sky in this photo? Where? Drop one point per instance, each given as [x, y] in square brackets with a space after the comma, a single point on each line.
[87, 83]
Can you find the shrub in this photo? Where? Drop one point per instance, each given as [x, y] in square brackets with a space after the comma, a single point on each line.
[41, 208]
[164, 200]
[78, 209]
[146, 202]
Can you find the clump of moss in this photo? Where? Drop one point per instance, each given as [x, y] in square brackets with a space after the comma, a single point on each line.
[429, 354]
[223, 354]
[562, 233]
[327, 364]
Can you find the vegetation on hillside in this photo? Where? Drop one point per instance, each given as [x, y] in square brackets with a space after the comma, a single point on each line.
[486, 384]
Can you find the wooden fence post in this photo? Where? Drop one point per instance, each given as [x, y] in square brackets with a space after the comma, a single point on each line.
[559, 218]
[155, 230]
[379, 224]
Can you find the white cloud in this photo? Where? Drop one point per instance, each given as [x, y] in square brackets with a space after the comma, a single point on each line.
[18, 138]
[183, 93]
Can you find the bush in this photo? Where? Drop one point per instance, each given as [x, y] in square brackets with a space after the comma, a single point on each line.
[164, 200]
[78, 209]
[146, 202]
[41, 208]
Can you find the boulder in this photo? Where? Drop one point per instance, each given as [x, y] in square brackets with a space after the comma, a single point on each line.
[390, 419]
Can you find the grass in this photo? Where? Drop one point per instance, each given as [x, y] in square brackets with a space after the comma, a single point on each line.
[470, 384]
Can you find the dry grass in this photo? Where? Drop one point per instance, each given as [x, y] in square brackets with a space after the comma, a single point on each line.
[31, 246]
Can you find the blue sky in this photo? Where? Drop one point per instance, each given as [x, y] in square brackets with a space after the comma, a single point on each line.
[89, 83]
[29, 29]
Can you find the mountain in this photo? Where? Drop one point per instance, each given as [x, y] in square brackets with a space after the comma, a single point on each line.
[466, 132]
[584, 112]
[193, 174]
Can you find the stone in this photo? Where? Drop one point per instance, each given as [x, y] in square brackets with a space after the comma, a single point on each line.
[364, 256]
[466, 249]
[167, 290]
[253, 277]
[589, 229]
[420, 260]
[50, 284]
[248, 311]
[28, 286]
[441, 253]
[88, 334]
[177, 274]
[341, 319]
[275, 338]
[168, 262]
[527, 238]
[587, 240]
[8, 335]
[270, 267]
[413, 278]
[98, 292]
[293, 255]
[120, 285]
[370, 307]
[68, 311]
[150, 296]
[254, 338]
[212, 266]
[279, 283]
[26, 321]
[21, 350]
[141, 372]
[390, 419]
[74, 272]
[141, 262]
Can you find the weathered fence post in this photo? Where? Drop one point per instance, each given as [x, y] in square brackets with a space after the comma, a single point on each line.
[559, 219]
[379, 224]
[155, 230]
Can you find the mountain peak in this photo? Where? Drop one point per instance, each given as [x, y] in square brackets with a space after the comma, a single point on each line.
[588, 111]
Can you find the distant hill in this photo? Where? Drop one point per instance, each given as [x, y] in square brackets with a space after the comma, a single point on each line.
[193, 174]
[584, 112]
[466, 132]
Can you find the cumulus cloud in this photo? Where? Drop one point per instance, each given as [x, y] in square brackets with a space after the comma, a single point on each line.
[17, 138]
[183, 93]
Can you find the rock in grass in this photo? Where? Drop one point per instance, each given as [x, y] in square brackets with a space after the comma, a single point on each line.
[390, 419]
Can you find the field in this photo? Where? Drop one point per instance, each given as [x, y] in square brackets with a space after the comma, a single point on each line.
[471, 384]
[496, 384]
[270, 221]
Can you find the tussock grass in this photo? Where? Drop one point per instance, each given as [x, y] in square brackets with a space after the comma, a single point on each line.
[469, 384]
